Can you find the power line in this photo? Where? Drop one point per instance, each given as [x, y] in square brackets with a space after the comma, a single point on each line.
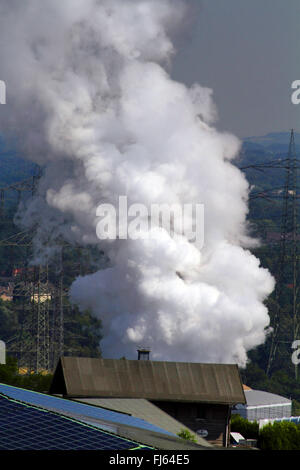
[288, 249]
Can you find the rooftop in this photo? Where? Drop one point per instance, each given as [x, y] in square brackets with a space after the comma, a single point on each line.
[152, 380]
[259, 397]
[28, 427]
[113, 422]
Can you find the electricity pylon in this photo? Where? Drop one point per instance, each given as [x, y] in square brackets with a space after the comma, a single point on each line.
[39, 343]
[285, 325]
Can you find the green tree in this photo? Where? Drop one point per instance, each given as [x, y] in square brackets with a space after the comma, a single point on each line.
[282, 435]
[82, 333]
[8, 320]
[9, 374]
[247, 429]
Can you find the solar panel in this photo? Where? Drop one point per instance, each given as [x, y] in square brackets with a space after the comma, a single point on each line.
[26, 427]
[79, 410]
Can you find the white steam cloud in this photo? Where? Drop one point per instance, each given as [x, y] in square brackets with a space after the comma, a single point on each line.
[90, 97]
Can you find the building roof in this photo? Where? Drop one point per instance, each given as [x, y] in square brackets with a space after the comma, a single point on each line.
[261, 398]
[144, 409]
[80, 411]
[245, 387]
[129, 427]
[153, 380]
[28, 427]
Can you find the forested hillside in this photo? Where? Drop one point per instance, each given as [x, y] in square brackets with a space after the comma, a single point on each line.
[82, 331]
[266, 205]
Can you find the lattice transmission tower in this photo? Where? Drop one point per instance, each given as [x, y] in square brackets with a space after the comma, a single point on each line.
[285, 321]
[39, 301]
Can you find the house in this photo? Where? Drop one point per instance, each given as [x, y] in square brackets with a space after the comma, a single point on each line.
[200, 396]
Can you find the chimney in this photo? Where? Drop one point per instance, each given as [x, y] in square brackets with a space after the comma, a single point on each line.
[143, 354]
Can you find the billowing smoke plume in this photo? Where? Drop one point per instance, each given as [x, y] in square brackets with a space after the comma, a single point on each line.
[90, 97]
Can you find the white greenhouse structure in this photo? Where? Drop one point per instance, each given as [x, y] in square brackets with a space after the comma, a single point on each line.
[263, 405]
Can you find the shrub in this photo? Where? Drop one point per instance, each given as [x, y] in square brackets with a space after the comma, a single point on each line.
[246, 428]
[187, 435]
[282, 435]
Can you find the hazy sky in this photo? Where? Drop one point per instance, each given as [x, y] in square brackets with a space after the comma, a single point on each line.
[248, 53]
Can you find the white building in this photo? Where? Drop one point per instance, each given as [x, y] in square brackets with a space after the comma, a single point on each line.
[263, 405]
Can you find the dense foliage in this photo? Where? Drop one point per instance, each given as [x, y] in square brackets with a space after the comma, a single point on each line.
[249, 430]
[9, 374]
[82, 331]
[282, 435]
[265, 215]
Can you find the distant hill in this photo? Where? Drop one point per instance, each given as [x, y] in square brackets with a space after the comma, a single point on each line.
[265, 204]
[255, 149]
[266, 149]
[272, 142]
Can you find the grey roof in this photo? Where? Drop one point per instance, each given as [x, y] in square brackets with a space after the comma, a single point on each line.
[259, 397]
[153, 380]
[157, 440]
[143, 409]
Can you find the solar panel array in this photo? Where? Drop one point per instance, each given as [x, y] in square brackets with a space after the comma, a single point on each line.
[27, 427]
[78, 410]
